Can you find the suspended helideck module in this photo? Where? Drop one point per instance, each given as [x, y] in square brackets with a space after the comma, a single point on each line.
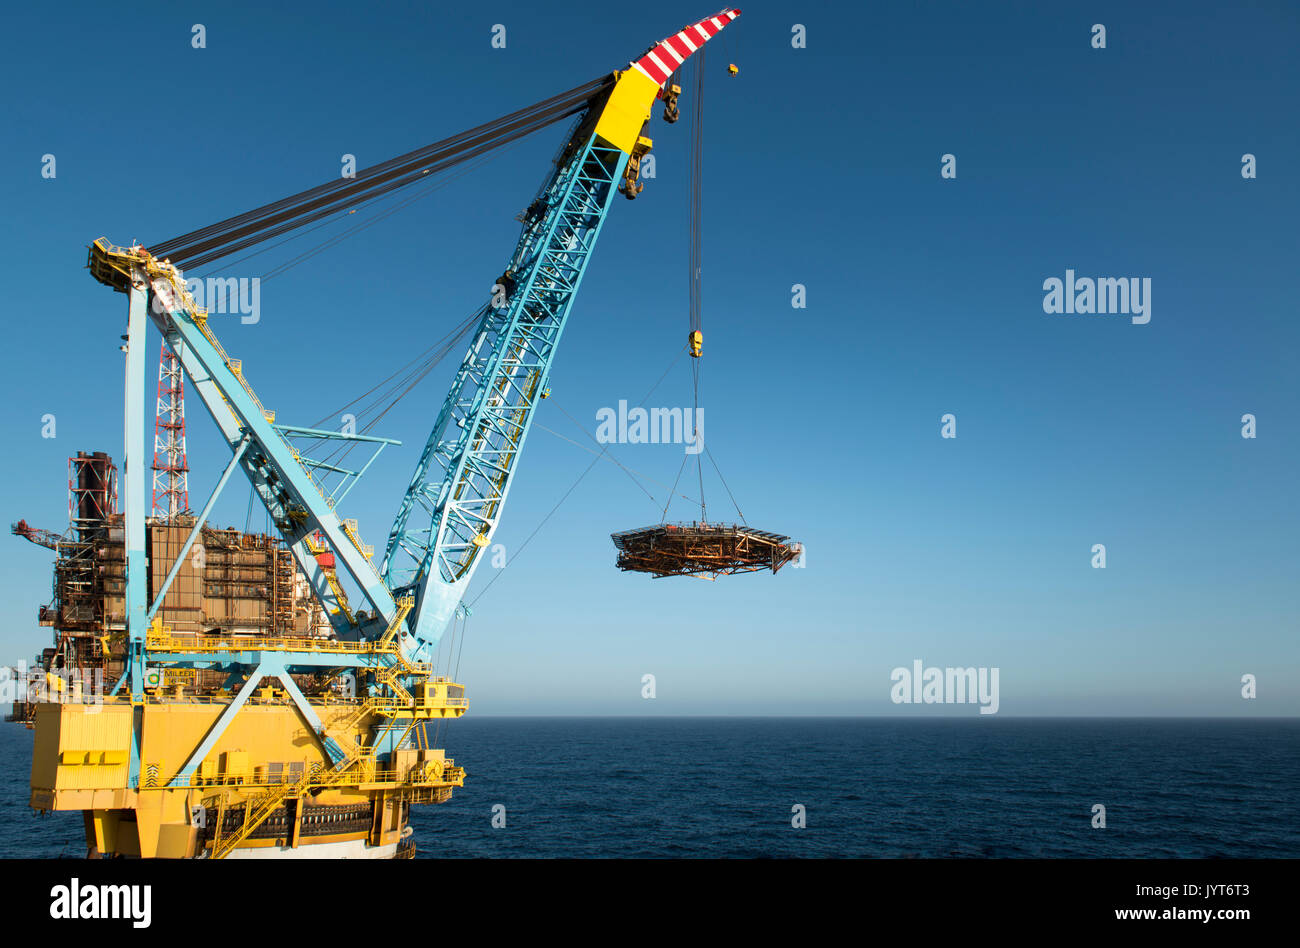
[685, 549]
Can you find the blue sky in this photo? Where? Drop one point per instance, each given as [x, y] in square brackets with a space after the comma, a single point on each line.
[822, 168]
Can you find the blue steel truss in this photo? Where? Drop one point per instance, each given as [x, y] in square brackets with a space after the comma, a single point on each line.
[455, 497]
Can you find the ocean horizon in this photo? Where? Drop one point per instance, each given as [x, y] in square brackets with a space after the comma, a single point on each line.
[739, 786]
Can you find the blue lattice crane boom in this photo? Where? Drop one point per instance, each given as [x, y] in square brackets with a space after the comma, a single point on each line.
[456, 494]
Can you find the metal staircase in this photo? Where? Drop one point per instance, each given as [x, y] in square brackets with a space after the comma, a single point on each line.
[259, 809]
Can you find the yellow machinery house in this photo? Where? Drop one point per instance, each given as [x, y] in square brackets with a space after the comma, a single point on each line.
[265, 785]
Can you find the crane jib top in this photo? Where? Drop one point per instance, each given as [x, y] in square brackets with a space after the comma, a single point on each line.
[637, 88]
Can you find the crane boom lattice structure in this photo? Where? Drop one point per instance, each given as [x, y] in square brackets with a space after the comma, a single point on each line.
[171, 471]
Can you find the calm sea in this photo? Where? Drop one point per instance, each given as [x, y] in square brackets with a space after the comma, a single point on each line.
[877, 787]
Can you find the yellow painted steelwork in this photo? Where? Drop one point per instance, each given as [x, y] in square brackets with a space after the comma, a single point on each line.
[627, 109]
[630, 186]
[268, 754]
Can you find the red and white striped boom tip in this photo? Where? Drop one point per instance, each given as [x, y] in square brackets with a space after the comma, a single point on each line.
[662, 61]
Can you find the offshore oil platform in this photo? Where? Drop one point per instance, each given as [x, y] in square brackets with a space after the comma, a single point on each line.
[250, 705]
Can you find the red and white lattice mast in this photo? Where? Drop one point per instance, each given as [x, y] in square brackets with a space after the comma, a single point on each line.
[171, 482]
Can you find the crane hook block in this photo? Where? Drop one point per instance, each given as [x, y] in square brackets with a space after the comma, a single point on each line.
[630, 187]
[696, 340]
[733, 69]
[670, 94]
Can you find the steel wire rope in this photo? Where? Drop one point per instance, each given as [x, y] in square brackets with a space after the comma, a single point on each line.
[438, 184]
[663, 517]
[631, 472]
[368, 222]
[728, 488]
[235, 233]
[247, 237]
[697, 167]
[464, 627]
[250, 235]
[604, 450]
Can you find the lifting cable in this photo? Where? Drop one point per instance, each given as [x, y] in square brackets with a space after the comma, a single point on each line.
[272, 220]
[663, 517]
[727, 486]
[604, 450]
[695, 267]
[630, 472]
[697, 167]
